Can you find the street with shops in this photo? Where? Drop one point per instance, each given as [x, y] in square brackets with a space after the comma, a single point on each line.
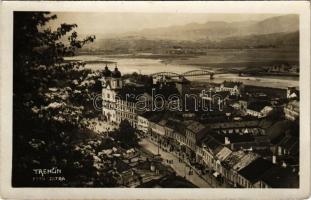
[181, 167]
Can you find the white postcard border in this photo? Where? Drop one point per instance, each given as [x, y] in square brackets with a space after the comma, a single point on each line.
[6, 191]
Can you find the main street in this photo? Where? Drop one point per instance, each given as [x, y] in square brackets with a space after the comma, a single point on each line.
[180, 168]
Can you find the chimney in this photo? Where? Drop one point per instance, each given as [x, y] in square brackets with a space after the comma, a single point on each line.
[274, 159]
[152, 168]
[284, 164]
[227, 141]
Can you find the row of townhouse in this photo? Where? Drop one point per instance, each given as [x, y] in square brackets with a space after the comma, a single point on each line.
[244, 168]
[174, 134]
[199, 144]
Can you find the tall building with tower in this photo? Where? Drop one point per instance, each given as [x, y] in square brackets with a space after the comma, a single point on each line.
[112, 83]
[124, 101]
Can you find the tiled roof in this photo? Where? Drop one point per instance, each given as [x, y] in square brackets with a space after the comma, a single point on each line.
[233, 158]
[223, 153]
[245, 160]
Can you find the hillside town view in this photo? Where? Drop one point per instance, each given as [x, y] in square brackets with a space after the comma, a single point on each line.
[212, 102]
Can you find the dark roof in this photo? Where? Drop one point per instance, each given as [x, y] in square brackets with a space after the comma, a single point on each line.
[150, 114]
[106, 72]
[256, 169]
[156, 117]
[233, 137]
[265, 123]
[130, 93]
[279, 177]
[277, 131]
[165, 89]
[235, 124]
[258, 105]
[177, 126]
[290, 143]
[211, 143]
[116, 73]
[196, 127]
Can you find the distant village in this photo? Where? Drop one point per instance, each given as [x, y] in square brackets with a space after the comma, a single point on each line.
[283, 69]
[251, 142]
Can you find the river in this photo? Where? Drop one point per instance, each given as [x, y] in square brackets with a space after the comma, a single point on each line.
[149, 66]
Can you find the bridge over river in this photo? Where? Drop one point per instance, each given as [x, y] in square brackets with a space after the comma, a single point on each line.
[191, 73]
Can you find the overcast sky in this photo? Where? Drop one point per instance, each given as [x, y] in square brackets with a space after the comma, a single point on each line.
[108, 23]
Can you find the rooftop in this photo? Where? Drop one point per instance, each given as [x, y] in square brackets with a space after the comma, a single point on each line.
[290, 143]
[131, 93]
[256, 169]
[258, 105]
[279, 177]
[277, 131]
[210, 143]
[248, 158]
[223, 153]
[196, 127]
[233, 159]
[233, 137]
[231, 84]
[178, 126]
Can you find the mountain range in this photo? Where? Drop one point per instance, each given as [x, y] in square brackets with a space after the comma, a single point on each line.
[272, 32]
[216, 30]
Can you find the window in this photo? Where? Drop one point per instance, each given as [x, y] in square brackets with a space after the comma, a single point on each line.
[108, 96]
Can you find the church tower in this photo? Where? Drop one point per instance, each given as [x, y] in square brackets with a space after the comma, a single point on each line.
[116, 80]
[111, 82]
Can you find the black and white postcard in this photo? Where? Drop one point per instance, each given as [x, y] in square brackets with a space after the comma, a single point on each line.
[155, 100]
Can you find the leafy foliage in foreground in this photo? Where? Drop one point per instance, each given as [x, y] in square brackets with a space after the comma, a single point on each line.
[52, 100]
[126, 135]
